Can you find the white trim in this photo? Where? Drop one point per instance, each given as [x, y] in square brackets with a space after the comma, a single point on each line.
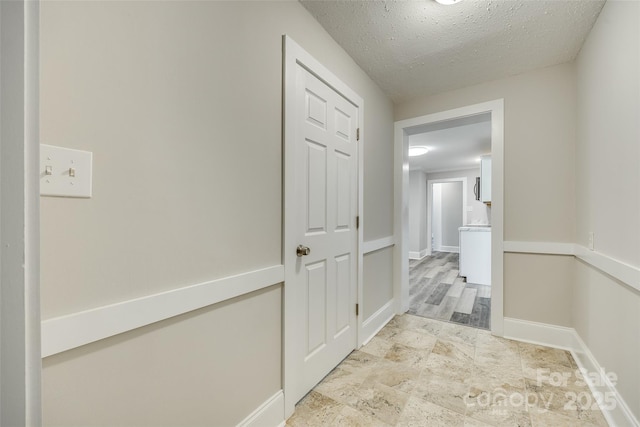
[430, 183]
[540, 333]
[458, 169]
[269, 414]
[552, 248]
[454, 249]
[20, 362]
[403, 129]
[66, 332]
[626, 273]
[294, 55]
[568, 339]
[377, 321]
[33, 374]
[418, 255]
[376, 245]
[621, 414]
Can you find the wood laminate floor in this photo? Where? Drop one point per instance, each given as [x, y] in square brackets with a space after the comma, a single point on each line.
[437, 292]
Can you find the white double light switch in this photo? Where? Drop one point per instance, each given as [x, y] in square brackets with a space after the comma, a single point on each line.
[65, 172]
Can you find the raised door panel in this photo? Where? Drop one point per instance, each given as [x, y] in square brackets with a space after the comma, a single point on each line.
[343, 287]
[343, 191]
[316, 302]
[316, 181]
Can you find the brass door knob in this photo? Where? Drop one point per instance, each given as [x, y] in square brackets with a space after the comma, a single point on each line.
[302, 250]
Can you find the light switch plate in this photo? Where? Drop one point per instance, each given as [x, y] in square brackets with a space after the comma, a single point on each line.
[65, 172]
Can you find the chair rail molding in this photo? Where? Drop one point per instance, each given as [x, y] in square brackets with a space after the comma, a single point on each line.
[626, 273]
[74, 330]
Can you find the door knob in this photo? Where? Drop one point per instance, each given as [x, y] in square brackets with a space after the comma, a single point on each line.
[302, 250]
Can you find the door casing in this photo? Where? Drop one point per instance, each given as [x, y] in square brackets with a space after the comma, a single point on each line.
[405, 128]
[293, 56]
[20, 355]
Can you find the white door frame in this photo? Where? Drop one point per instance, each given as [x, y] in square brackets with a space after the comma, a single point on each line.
[430, 183]
[295, 55]
[405, 128]
[20, 357]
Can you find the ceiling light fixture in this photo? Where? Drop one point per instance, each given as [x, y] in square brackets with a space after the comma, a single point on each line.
[417, 151]
[448, 2]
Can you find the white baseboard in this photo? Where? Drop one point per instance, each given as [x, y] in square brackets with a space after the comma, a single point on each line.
[269, 414]
[454, 249]
[568, 339]
[377, 321]
[540, 333]
[418, 255]
[620, 415]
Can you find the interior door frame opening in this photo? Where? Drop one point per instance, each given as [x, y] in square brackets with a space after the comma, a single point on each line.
[430, 206]
[404, 129]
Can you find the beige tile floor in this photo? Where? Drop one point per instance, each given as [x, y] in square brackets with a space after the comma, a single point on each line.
[422, 372]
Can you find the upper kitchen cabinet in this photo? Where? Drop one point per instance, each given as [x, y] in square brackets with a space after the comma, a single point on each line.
[485, 179]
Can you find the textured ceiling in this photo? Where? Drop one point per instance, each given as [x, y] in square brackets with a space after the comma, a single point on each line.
[415, 48]
[453, 145]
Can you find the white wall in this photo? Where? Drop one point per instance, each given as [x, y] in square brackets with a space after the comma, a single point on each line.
[606, 313]
[177, 101]
[418, 239]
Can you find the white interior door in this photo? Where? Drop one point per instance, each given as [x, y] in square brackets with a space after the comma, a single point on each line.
[326, 203]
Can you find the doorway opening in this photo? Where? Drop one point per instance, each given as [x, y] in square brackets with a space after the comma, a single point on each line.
[437, 288]
[437, 267]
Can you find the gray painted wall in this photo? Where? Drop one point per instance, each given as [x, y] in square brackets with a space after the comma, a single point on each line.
[177, 100]
[418, 239]
[378, 275]
[586, 131]
[605, 312]
[451, 212]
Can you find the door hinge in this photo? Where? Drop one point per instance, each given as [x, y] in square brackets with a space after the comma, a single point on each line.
[358, 134]
[358, 222]
[357, 309]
